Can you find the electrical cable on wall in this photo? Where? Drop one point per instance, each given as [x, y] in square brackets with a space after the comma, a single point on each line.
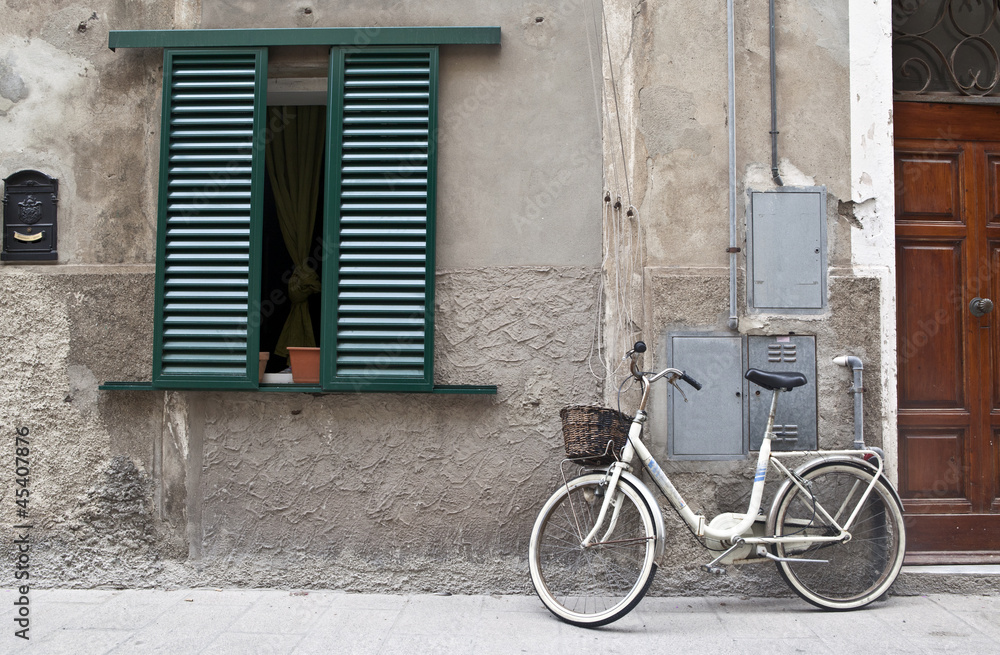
[622, 256]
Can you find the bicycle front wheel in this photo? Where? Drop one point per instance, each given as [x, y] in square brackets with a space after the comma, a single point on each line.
[601, 583]
[852, 573]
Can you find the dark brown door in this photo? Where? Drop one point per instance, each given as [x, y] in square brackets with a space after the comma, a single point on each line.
[947, 256]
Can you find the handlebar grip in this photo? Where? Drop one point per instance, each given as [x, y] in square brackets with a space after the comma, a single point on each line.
[690, 380]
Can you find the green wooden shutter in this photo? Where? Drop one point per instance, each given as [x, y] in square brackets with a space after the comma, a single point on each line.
[379, 295]
[206, 331]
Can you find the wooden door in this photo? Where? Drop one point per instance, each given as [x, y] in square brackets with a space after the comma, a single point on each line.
[947, 163]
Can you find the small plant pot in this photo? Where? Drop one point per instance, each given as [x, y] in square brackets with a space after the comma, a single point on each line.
[305, 365]
[264, 356]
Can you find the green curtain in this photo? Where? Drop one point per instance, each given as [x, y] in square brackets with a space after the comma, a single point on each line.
[294, 154]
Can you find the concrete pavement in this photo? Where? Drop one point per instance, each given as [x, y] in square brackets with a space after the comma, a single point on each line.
[269, 621]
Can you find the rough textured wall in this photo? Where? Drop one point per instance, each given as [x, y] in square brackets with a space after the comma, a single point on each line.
[77, 111]
[625, 52]
[668, 70]
[668, 64]
[666, 138]
[429, 492]
[373, 492]
[678, 302]
[90, 452]
[873, 250]
[351, 491]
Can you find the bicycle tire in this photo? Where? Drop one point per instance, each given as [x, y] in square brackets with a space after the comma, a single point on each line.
[858, 571]
[594, 586]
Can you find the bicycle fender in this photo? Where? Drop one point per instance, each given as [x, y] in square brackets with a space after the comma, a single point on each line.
[651, 503]
[654, 509]
[809, 466]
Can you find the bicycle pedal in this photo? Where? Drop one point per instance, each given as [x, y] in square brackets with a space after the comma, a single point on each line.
[714, 570]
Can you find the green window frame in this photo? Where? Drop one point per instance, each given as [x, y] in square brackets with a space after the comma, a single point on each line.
[378, 219]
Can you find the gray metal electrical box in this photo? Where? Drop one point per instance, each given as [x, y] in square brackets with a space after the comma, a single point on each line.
[726, 419]
[710, 425]
[786, 250]
[795, 422]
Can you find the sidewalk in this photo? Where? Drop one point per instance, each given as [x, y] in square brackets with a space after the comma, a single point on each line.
[243, 622]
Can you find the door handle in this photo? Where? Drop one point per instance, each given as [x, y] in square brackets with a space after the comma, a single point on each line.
[980, 306]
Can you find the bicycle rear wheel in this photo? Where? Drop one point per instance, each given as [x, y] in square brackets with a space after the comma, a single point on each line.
[599, 584]
[857, 571]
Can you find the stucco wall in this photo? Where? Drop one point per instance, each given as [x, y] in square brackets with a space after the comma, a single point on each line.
[429, 492]
[406, 492]
[364, 492]
[90, 482]
[522, 116]
[682, 136]
[347, 491]
[670, 71]
[74, 110]
[667, 148]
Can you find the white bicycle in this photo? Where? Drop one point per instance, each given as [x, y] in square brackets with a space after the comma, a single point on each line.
[835, 527]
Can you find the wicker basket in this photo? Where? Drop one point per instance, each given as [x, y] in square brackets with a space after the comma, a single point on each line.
[589, 430]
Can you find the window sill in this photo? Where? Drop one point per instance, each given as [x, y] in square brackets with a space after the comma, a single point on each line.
[473, 389]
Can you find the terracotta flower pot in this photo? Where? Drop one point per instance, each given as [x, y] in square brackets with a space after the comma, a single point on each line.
[305, 364]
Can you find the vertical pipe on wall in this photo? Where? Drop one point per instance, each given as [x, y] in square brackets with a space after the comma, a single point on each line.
[731, 120]
[774, 104]
[857, 390]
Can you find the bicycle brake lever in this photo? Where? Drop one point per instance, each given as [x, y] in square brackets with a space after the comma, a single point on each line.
[674, 384]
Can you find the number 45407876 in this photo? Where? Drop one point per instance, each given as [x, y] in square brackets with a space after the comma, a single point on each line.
[22, 470]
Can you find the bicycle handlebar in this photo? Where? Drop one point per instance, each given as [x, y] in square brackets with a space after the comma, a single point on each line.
[690, 380]
[640, 348]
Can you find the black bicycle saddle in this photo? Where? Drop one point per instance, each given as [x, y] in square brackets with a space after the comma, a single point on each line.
[772, 381]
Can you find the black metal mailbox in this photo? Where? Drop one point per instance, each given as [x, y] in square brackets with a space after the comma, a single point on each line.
[29, 217]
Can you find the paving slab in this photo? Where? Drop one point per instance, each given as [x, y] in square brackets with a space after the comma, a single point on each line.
[184, 628]
[124, 622]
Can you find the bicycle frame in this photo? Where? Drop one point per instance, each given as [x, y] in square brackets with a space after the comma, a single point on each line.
[697, 522]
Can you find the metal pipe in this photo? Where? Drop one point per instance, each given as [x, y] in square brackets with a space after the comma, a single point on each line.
[731, 119]
[858, 391]
[774, 106]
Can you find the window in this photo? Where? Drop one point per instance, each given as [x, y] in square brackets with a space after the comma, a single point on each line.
[377, 212]
[378, 276]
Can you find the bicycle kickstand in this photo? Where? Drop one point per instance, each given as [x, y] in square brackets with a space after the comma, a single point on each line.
[764, 552]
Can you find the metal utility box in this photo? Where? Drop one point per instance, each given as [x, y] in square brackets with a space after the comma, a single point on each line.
[786, 250]
[726, 419]
[710, 425]
[795, 422]
[29, 217]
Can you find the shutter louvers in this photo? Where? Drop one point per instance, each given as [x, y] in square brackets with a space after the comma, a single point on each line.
[384, 286]
[208, 185]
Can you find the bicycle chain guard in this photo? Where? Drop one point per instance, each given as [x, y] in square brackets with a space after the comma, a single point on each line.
[729, 520]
